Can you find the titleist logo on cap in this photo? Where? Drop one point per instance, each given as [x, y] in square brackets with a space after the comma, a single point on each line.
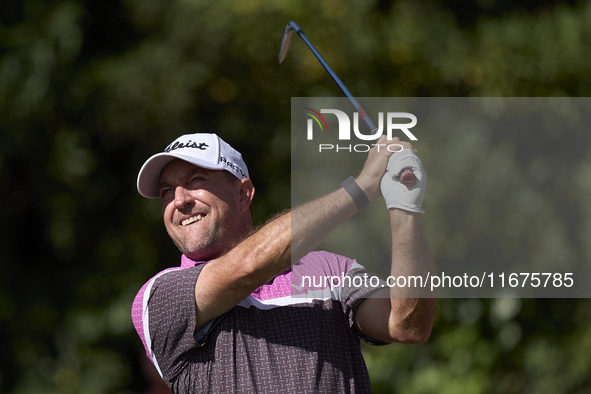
[200, 149]
[188, 144]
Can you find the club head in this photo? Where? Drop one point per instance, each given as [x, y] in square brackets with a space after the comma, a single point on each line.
[286, 39]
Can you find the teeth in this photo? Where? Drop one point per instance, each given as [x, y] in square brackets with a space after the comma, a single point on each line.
[191, 220]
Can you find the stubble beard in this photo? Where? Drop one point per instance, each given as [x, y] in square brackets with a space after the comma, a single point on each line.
[205, 245]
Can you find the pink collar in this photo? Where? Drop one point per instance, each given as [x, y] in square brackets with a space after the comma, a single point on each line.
[188, 263]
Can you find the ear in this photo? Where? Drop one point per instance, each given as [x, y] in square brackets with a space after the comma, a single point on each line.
[246, 194]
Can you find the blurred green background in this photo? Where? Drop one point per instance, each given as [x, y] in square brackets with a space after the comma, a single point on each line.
[90, 89]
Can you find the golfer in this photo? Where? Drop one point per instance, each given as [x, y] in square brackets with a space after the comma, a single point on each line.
[236, 315]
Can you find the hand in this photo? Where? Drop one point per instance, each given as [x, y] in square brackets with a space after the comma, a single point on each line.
[376, 163]
[395, 193]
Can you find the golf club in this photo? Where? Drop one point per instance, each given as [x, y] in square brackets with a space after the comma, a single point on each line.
[406, 177]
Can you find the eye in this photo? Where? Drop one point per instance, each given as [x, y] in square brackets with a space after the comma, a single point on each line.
[165, 192]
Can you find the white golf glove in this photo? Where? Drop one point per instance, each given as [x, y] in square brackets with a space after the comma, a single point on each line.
[395, 193]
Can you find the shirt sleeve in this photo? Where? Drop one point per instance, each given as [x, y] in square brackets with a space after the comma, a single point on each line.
[354, 284]
[361, 286]
[170, 317]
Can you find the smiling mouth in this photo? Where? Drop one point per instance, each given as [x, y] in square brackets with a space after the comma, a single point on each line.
[192, 219]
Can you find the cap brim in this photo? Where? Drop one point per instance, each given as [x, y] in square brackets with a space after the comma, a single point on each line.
[148, 180]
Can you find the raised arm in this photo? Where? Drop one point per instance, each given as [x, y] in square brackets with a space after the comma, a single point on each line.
[226, 281]
[402, 314]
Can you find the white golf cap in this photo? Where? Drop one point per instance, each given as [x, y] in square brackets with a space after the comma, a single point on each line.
[201, 149]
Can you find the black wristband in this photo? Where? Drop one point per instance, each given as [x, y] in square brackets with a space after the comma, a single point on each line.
[355, 192]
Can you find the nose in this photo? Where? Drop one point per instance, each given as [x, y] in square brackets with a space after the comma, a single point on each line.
[181, 197]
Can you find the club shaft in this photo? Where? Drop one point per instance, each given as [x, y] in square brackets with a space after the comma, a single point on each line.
[407, 177]
[358, 107]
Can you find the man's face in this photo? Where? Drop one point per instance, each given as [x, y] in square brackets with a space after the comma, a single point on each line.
[202, 210]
